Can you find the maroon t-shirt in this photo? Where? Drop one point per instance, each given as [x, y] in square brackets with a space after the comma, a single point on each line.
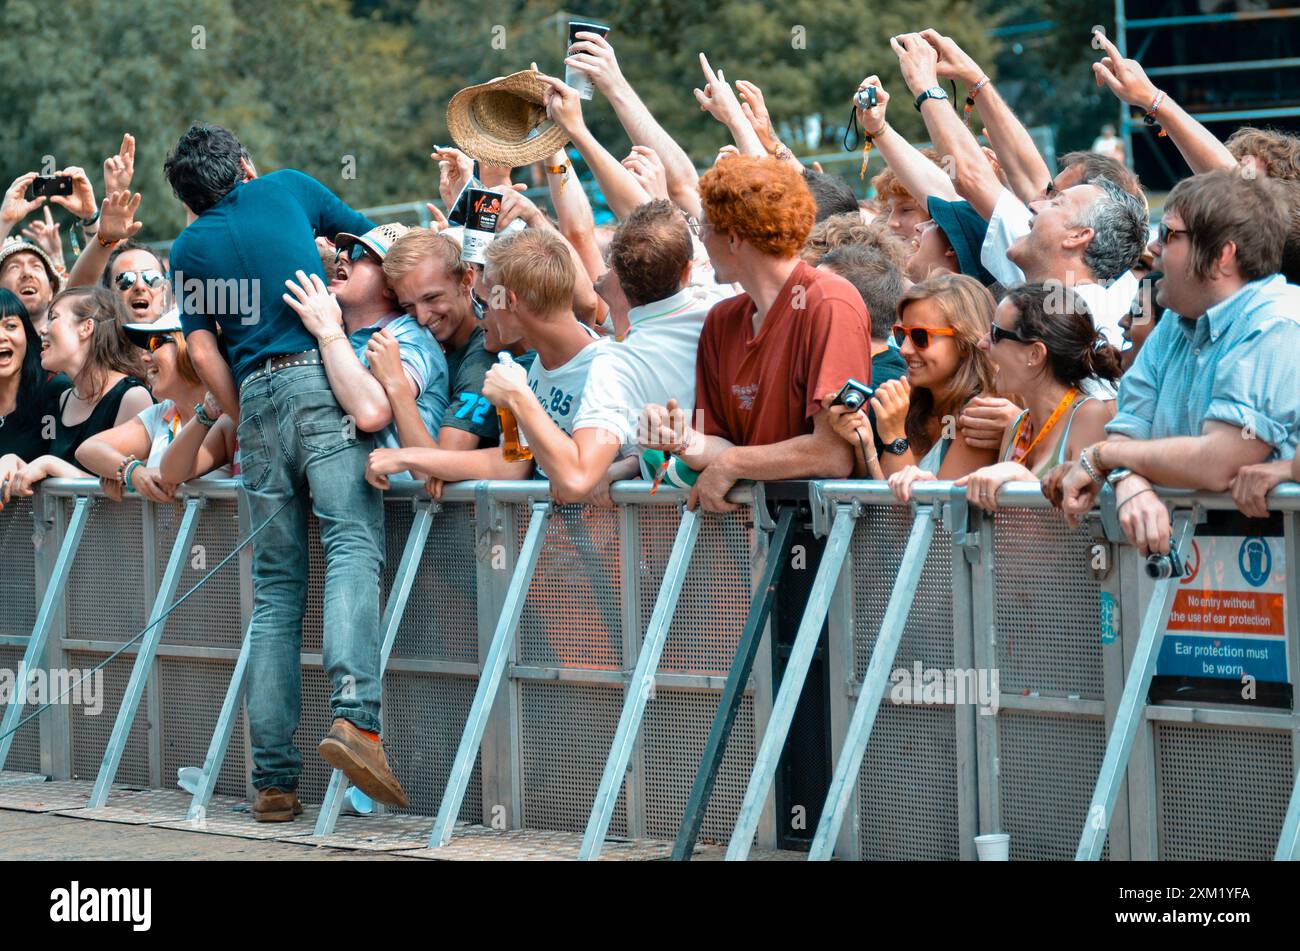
[764, 389]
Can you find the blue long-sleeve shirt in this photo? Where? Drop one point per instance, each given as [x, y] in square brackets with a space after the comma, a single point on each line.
[229, 266]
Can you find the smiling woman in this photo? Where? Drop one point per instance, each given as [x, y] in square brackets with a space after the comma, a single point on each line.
[22, 387]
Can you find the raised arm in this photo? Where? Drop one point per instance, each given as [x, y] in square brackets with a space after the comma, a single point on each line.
[1128, 81]
[921, 177]
[594, 55]
[620, 188]
[587, 307]
[573, 213]
[974, 176]
[116, 223]
[1027, 173]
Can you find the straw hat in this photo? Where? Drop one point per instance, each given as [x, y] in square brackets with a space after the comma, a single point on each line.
[503, 122]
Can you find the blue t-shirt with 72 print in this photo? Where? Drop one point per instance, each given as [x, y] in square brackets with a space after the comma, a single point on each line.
[469, 409]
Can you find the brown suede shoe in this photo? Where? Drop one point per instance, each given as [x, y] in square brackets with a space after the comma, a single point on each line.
[276, 805]
[363, 762]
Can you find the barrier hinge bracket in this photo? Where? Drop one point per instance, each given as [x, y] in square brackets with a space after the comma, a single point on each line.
[963, 522]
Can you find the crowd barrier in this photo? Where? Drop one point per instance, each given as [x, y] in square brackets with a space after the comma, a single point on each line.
[605, 671]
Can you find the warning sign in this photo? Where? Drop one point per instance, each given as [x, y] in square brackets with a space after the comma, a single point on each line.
[1229, 617]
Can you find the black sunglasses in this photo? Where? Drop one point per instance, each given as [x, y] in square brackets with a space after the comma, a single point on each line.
[126, 280]
[998, 334]
[1164, 233]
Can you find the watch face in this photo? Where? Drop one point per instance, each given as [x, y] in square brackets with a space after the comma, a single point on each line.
[897, 447]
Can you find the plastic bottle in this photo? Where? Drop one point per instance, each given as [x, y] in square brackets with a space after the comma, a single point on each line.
[514, 447]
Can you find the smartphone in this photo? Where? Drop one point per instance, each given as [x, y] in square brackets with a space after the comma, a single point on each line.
[49, 185]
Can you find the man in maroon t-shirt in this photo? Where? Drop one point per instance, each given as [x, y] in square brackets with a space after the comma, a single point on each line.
[769, 357]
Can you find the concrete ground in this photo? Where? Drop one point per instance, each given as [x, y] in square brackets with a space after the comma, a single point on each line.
[28, 836]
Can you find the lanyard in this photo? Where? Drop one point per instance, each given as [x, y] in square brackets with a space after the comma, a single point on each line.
[1022, 451]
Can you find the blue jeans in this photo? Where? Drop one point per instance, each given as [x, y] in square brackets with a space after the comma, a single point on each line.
[293, 438]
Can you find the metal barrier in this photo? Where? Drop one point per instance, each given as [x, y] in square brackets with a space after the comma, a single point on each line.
[604, 671]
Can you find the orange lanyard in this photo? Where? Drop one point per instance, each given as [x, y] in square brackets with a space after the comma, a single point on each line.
[1022, 451]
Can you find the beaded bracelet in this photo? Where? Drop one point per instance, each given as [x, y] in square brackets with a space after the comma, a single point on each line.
[130, 470]
[121, 467]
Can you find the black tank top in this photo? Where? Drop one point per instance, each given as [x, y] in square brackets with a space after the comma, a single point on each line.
[67, 439]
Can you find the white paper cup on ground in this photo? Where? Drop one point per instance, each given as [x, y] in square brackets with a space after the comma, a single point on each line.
[995, 847]
[188, 777]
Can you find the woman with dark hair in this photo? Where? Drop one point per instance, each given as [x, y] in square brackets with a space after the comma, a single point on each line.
[129, 458]
[1046, 347]
[23, 391]
[1141, 319]
[84, 339]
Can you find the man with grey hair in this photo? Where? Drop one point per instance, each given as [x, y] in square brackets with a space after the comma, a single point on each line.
[1084, 237]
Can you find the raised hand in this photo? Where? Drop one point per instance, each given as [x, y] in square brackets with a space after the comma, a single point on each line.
[593, 55]
[754, 109]
[644, 164]
[317, 307]
[563, 104]
[82, 200]
[17, 206]
[1124, 77]
[873, 120]
[119, 169]
[45, 235]
[117, 217]
[455, 168]
[717, 98]
[954, 63]
[917, 60]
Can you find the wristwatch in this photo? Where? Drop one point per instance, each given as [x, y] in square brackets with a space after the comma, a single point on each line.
[934, 92]
[897, 447]
[1116, 476]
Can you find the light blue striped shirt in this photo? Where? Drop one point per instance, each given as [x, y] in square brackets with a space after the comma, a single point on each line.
[1239, 364]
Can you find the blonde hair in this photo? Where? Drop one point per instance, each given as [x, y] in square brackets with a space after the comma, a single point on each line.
[968, 307]
[411, 249]
[839, 231]
[536, 267]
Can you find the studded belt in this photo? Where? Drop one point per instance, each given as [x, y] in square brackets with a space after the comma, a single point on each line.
[307, 358]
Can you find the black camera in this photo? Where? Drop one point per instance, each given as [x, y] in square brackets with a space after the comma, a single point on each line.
[1164, 566]
[853, 394]
[866, 98]
[52, 185]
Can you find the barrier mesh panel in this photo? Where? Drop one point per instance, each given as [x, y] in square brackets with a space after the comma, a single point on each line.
[424, 716]
[193, 690]
[25, 752]
[312, 727]
[715, 594]
[878, 543]
[441, 618]
[1048, 767]
[572, 615]
[107, 597]
[18, 570]
[1222, 792]
[907, 788]
[211, 617]
[313, 617]
[676, 728]
[567, 730]
[1046, 603]
[90, 733]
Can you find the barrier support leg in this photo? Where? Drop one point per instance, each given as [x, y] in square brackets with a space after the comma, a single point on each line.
[733, 694]
[796, 672]
[145, 654]
[845, 778]
[220, 741]
[394, 610]
[494, 668]
[640, 687]
[1132, 704]
[44, 620]
[1288, 844]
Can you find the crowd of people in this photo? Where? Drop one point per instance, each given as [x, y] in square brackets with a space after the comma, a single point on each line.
[1001, 321]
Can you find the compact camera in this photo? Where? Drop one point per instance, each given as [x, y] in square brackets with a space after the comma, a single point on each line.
[1164, 566]
[853, 394]
[866, 98]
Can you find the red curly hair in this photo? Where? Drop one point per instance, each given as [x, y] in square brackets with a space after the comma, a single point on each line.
[762, 201]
